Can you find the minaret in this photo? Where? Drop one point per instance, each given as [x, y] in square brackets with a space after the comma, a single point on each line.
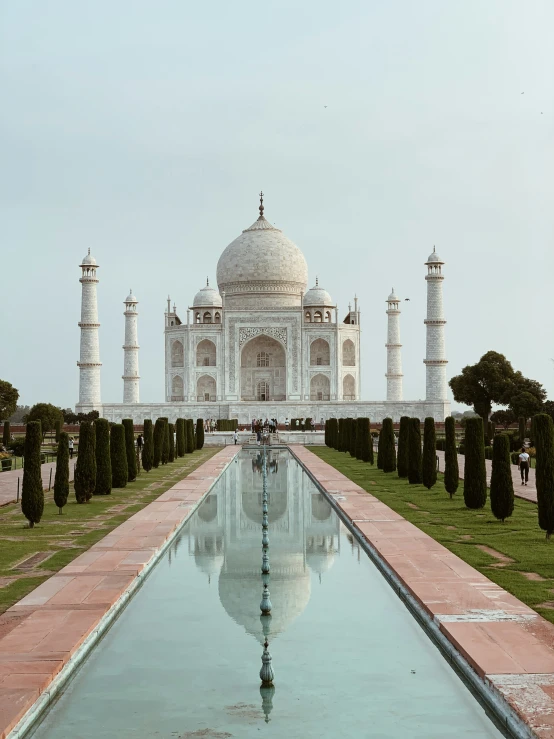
[394, 349]
[89, 357]
[435, 359]
[131, 349]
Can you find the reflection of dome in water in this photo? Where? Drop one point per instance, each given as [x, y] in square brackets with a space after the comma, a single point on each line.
[208, 510]
[208, 554]
[252, 502]
[321, 508]
[320, 553]
[240, 591]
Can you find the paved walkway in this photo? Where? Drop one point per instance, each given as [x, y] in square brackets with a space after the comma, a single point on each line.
[528, 492]
[39, 634]
[8, 480]
[508, 644]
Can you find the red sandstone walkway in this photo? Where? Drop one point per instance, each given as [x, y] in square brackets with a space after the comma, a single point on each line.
[39, 634]
[508, 644]
[528, 492]
[8, 480]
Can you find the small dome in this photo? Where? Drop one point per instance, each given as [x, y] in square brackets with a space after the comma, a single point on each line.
[88, 260]
[434, 257]
[317, 296]
[207, 298]
[131, 298]
[393, 297]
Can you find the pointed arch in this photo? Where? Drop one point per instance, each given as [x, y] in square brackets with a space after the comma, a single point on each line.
[348, 353]
[177, 354]
[206, 355]
[320, 353]
[206, 390]
[348, 388]
[320, 387]
[177, 388]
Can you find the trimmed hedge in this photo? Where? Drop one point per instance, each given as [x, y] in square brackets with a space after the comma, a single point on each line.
[364, 441]
[342, 435]
[61, 480]
[388, 449]
[429, 460]
[189, 436]
[148, 445]
[543, 434]
[451, 471]
[118, 455]
[227, 424]
[85, 469]
[103, 459]
[333, 432]
[353, 433]
[32, 495]
[130, 449]
[502, 486]
[475, 474]
[403, 447]
[199, 433]
[165, 440]
[180, 433]
[414, 452]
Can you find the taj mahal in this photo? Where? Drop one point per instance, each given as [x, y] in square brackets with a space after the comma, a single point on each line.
[263, 345]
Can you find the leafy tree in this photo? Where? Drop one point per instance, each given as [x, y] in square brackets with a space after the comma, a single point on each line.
[451, 471]
[543, 434]
[171, 442]
[129, 427]
[388, 449]
[502, 486]
[6, 436]
[429, 461]
[118, 456]
[548, 407]
[21, 412]
[61, 479]
[85, 469]
[525, 405]
[403, 446]
[165, 442]
[190, 440]
[504, 418]
[103, 458]
[475, 473]
[199, 433]
[148, 445]
[414, 452]
[158, 442]
[32, 495]
[8, 399]
[47, 414]
[522, 423]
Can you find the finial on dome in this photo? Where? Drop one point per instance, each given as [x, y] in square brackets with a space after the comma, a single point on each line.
[261, 204]
[434, 250]
[89, 251]
[317, 281]
[207, 282]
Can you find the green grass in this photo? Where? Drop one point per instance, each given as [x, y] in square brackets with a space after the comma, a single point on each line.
[460, 530]
[69, 535]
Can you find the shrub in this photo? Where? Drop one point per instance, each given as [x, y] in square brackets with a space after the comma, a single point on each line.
[158, 442]
[130, 449]
[171, 442]
[103, 459]
[403, 447]
[118, 454]
[61, 479]
[165, 441]
[32, 495]
[6, 435]
[488, 452]
[17, 446]
[388, 449]
[440, 443]
[190, 440]
[85, 469]
[462, 448]
[199, 433]
[429, 460]
[451, 471]
[414, 452]
[475, 473]
[543, 434]
[148, 445]
[228, 424]
[502, 486]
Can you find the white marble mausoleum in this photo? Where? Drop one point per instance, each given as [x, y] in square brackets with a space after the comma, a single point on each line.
[262, 344]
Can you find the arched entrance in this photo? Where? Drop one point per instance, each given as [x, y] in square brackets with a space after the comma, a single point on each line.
[263, 370]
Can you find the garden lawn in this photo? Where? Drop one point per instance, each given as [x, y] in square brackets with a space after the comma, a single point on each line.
[62, 538]
[524, 561]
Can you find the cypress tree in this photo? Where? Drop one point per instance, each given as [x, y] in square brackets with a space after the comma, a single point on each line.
[327, 432]
[543, 434]
[388, 451]
[360, 430]
[180, 442]
[414, 452]
[366, 447]
[403, 447]
[189, 430]
[57, 429]
[199, 433]
[85, 469]
[61, 480]
[347, 434]
[380, 450]
[130, 449]
[158, 442]
[522, 427]
[451, 471]
[165, 441]
[333, 432]
[103, 459]
[491, 431]
[475, 473]
[429, 460]
[148, 445]
[341, 435]
[171, 442]
[353, 433]
[502, 486]
[32, 495]
[6, 436]
[118, 453]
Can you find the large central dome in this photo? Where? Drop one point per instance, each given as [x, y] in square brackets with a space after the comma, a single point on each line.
[262, 265]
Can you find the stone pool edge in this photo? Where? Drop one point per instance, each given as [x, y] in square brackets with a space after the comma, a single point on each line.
[514, 721]
[35, 711]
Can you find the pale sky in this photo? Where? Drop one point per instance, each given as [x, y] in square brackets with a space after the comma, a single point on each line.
[146, 130]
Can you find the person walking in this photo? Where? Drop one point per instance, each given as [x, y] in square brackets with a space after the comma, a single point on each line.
[523, 462]
[140, 441]
[235, 437]
[71, 443]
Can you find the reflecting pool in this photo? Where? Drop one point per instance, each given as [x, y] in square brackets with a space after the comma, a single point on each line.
[183, 660]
